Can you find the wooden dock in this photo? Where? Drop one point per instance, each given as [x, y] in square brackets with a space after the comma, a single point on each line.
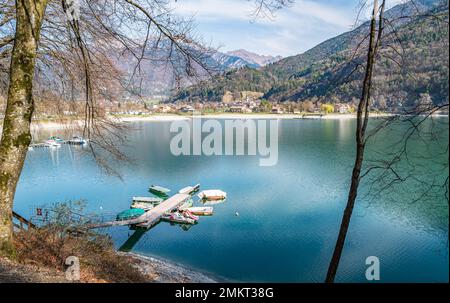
[151, 217]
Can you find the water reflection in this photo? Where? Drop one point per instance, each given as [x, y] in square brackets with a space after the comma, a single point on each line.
[289, 214]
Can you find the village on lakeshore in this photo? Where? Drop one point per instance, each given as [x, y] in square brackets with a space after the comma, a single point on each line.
[245, 103]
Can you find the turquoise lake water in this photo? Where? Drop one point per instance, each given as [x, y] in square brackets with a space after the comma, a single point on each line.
[289, 214]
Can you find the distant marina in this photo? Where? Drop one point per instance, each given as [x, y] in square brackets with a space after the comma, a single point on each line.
[55, 142]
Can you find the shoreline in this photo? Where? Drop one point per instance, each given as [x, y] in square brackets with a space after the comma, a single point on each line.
[77, 124]
[153, 270]
[163, 271]
[235, 116]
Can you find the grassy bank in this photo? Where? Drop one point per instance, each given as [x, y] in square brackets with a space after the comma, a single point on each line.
[40, 257]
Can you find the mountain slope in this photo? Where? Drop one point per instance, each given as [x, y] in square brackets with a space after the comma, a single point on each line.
[158, 79]
[227, 61]
[319, 72]
[256, 59]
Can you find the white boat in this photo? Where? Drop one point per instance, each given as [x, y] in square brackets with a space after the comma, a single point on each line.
[201, 210]
[212, 202]
[189, 189]
[178, 218]
[141, 205]
[212, 194]
[52, 143]
[152, 200]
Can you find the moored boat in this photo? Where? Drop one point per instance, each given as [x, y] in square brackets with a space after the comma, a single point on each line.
[212, 202]
[57, 139]
[142, 205]
[129, 214]
[178, 218]
[77, 140]
[212, 194]
[201, 210]
[159, 191]
[52, 143]
[153, 200]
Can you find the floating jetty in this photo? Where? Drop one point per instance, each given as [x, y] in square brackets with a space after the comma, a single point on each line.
[189, 189]
[151, 217]
[177, 208]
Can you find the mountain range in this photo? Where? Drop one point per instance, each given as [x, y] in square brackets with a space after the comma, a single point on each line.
[241, 58]
[255, 60]
[413, 60]
[158, 79]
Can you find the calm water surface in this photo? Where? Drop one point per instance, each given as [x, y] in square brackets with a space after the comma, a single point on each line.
[289, 213]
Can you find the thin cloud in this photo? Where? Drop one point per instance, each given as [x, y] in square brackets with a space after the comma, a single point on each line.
[292, 31]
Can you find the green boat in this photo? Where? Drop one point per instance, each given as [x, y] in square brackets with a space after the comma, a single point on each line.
[57, 139]
[159, 191]
[130, 214]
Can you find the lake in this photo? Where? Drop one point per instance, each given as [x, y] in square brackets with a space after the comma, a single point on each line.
[289, 213]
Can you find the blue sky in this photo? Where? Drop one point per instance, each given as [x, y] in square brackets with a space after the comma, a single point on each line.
[227, 24]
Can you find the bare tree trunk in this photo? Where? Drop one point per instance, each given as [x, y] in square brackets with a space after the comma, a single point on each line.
[361, 125]
[16, 135]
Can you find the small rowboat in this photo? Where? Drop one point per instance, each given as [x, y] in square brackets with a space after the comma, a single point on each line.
[52, 143]
[201, 211]
[153, 200]
[142, 205]
[130, 214]
[189, 189]
[212, 202]
[57, 139]
[212, 194]
[159, 191]
[76, 140]
[178, 218]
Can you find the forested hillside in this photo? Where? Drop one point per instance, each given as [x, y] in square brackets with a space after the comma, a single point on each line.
[413, 62]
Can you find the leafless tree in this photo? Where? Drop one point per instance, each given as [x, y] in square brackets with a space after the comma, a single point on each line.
[384, 170]
[73, 48]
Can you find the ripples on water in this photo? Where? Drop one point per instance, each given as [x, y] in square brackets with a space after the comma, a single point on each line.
[289, 213]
